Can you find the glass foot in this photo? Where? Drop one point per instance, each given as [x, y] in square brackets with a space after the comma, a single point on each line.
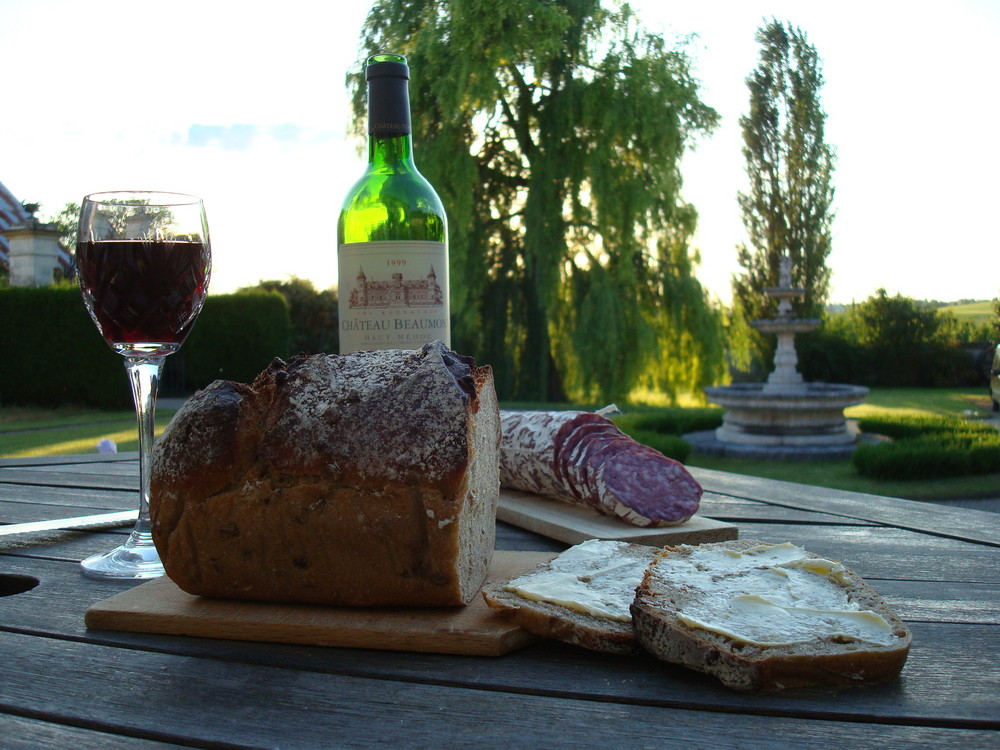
[135, 559]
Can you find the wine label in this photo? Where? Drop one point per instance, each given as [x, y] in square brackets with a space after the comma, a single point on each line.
[393, 295]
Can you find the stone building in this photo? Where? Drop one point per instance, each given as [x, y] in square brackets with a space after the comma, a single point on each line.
[30, 249]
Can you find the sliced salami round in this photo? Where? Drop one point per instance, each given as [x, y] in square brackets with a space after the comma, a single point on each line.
[583, 457]
[647, 488]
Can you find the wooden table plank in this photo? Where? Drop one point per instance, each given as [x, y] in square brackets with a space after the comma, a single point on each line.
[887, 553]
[929, 518]
[65, 478]
[18, 504]
[178, 699]
[737, 510]
[76, 459]
[22, 733]
[939, 664]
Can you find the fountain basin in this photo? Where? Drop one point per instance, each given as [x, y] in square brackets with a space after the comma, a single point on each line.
[766, 420]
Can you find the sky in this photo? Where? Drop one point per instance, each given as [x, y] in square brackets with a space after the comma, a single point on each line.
[244, 103]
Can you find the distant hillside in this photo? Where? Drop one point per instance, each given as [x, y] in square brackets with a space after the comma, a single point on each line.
[969, 311]
[973, 312]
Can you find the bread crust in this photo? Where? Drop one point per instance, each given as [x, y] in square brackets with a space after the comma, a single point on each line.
[748, 667]
[365, 479]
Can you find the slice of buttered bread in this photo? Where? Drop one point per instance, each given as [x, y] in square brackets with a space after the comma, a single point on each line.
[580, 597]
[766, 617]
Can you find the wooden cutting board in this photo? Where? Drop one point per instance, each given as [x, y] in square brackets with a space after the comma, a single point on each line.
[159, 606]
[574, 523]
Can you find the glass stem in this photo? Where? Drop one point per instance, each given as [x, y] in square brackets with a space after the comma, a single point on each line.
[144, 375]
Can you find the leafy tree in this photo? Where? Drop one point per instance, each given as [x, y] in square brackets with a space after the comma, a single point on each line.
[68, 221]
[787, 210]
[313, 314]
[891, 341]
[553, 131]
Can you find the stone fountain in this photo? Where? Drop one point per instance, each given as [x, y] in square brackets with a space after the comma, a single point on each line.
[785, 417]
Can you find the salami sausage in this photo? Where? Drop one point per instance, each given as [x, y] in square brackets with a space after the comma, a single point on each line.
[583, 458]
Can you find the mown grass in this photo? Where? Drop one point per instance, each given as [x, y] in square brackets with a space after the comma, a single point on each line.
[841, 474]
[923, 401]
[40, 432]
[67, 431]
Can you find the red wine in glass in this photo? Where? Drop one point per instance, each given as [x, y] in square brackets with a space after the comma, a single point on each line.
[143, 291]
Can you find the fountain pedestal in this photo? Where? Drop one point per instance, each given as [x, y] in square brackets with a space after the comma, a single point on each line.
[784, 417]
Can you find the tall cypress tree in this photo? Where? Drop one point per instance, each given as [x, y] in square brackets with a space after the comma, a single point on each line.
[553, 131]
[788, 208]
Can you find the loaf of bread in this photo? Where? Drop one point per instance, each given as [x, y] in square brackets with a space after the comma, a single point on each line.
[365, 479]
[580, 597]
[765, 617]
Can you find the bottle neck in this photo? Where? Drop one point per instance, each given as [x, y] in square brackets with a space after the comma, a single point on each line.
[389, 150]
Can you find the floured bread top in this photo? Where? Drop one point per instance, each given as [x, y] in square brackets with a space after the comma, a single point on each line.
[768, 595]
[393, 415]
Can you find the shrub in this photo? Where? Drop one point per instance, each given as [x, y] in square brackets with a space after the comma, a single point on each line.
[662, 429]
[313, 314]
[236, 336]
[927, 448]
[51, 353]
[888, 341]
[671, 421]
[672, 446]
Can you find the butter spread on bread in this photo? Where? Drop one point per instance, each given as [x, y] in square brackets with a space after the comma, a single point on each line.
[769, 595]
[580, 597]
[589, 578]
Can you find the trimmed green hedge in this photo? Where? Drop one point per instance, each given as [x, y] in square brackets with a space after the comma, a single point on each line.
[672, 421]
[51, 353]
[672, 446]
[927, 448]
[236, 336]
[663, 428]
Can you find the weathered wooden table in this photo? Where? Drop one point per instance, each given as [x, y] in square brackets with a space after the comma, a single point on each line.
[62, 685]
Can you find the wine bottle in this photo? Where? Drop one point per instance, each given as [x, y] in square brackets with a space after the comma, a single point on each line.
[392, 235]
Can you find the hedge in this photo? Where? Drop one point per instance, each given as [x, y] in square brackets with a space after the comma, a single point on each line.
[672, 421]
[662, 430]
[51, 353]
[236, 336]
[672, 446]
[927, 448]
[827, 356]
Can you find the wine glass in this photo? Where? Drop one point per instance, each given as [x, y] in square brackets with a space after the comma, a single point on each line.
[144, 261]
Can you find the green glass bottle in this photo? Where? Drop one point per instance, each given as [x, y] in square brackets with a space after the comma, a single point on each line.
[392, 236]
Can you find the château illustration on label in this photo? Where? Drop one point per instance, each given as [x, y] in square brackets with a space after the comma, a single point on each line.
[392, 235]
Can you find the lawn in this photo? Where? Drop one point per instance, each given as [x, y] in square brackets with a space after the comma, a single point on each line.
[65, 431]
[38, 432]
[840, 474]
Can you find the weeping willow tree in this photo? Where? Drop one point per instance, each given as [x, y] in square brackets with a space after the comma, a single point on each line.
[553, 131]
[787, 210]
